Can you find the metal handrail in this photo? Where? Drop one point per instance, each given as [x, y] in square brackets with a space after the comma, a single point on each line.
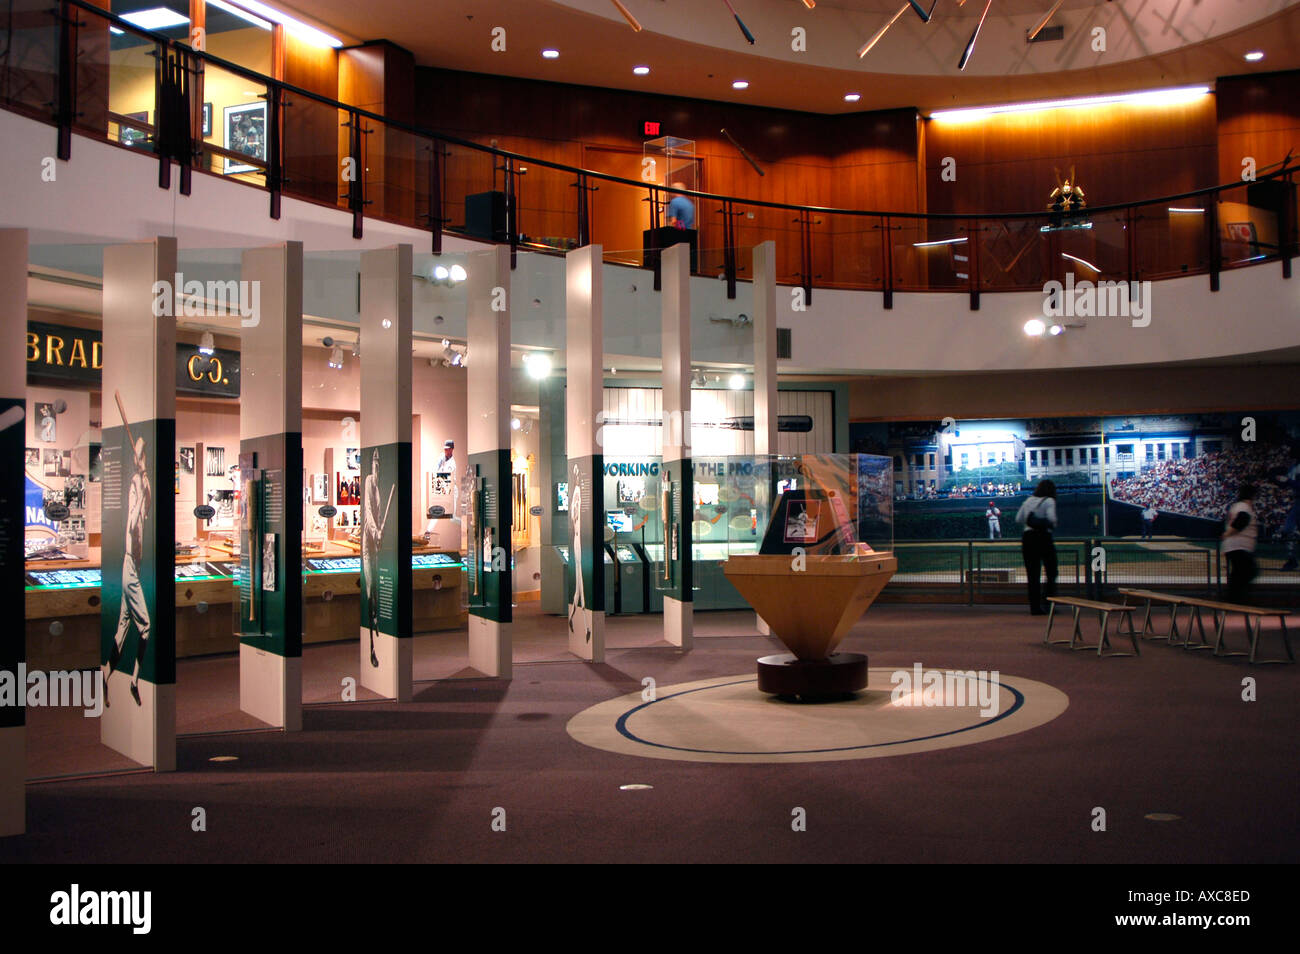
[1284, 172]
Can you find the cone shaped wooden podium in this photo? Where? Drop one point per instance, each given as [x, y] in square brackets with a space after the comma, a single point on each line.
[810, 603]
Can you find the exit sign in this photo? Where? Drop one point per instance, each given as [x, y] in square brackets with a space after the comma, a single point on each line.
[652, 129]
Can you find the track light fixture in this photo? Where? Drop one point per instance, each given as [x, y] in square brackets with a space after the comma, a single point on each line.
[206, 343]
[335, 360]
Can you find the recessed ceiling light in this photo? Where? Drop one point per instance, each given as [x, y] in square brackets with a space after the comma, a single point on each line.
[551, 54]
[1254, 56]
[852, 97]
[740, 84]
[641, 70]
[157, 18]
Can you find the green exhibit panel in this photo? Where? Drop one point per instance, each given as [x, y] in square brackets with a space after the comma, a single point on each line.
[652, 554]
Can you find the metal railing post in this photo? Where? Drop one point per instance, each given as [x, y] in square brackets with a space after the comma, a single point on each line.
[1216, 247]
[887, 252]
[274, 146]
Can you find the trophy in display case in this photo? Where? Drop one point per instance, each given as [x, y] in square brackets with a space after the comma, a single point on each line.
[669, 163]
[826, 555]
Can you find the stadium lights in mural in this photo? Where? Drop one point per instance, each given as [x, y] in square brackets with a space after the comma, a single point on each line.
[627, 15]
[1044, 21]
[740, 23]
[970, 46]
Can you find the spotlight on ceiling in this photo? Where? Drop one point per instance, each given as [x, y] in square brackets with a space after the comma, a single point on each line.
[206, 344]
[641, 70]
[335, 360]
[1055, 330]
[1034, 327]
[736, 382]
[537, 364]
[446, 276]
[740, 84]
[515, 424]
[852, 97]
[441, 273]
[550, 54]
[458, 273]
[699, 379]
[1254, 56]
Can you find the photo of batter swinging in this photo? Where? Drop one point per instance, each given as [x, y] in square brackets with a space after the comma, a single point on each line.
[372, 535]
[134, 609]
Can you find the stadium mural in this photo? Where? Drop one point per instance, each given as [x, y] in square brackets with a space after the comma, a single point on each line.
[966, 479]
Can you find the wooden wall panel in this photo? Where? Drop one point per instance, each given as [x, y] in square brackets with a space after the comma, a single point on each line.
[380, 77]
[1121, 153]
[602, 130]
[1258, 116]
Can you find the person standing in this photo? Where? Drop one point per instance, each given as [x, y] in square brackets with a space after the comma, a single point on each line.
[1240, 534]
[1038, 514]
[994, 516]
[1149, 514]
[445, 474]
[681, 210]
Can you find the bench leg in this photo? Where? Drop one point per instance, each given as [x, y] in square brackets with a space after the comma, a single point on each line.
[1173, 633]
[1196, 617]
[1286, 642]
[1133, 636]
[1078, 633]
[1103, 640]
[1220, 631]
[1051, 615]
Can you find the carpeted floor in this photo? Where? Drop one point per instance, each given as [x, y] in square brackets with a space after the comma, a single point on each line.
[376, 782]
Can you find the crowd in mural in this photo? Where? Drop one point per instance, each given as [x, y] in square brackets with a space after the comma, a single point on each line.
[1206, 485]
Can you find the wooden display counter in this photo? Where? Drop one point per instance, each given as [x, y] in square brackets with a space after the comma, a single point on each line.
[63, 603]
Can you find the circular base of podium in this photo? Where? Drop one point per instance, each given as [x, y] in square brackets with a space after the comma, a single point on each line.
[788, 677]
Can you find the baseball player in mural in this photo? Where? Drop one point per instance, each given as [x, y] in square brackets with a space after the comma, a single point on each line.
[1290, 480]
[575, 525]
[372, 534]
[139, 502]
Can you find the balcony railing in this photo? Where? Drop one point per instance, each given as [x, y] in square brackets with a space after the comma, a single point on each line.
[144, 91]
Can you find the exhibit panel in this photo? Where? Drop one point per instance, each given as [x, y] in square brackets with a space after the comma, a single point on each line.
[138, 590]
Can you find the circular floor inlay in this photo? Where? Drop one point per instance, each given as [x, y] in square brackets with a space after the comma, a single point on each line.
[727, 719]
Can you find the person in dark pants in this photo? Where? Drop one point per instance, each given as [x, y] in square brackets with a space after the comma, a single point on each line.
[1240, 533]
[1038, 514]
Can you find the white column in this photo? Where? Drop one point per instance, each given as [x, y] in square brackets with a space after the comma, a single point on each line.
[13, 432]
[138, 613]
[488, 373]
[765, 413]
[270, 428]
[679, 619]
[387, 655]
[584, 400]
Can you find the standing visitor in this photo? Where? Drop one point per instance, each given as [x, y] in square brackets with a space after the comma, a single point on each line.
[1038, 514]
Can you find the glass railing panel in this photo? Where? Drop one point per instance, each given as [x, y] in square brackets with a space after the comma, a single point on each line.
[931, 255]
[1172, 238]
[1250, 221]
[854, 253]
[29, 72]
[233, 125]
[1092, 248]
[1012, 254]
[546, 204]
[129, 65]
[473, 193]
[393, 159]
[313, 144]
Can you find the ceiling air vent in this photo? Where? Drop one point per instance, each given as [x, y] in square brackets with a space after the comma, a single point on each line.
[1047, 34]
[783, 344]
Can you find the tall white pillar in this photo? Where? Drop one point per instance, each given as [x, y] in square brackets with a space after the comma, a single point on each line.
[387, 655]
[584, 400]
[676, 470]
[13, 432]
[491, 589]
[270, 443]
[765, 412]
[138, 555]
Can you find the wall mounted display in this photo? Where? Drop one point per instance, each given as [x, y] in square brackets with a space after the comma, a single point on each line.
[245, 133]
[207, 119]
[215, 461]
[43, 420]
[320, 488]
[353, 457]
[52, 460]
[32, 457]
[186, 460]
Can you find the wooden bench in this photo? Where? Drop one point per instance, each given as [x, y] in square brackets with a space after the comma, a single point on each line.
[1254, 617]
[1104, 611]
[1172, 600]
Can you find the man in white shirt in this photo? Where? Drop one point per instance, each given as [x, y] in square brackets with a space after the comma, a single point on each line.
[134, 608]
[445, 474]
[1240, 534]
[1149, 514]
[994, 516]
